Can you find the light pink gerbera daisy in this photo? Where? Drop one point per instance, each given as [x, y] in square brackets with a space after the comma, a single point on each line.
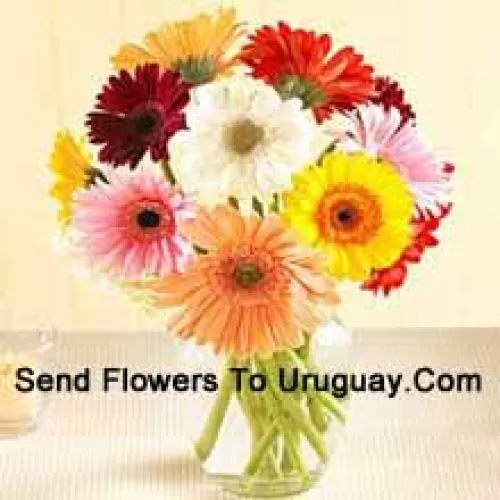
[128, 225]
[383, 133]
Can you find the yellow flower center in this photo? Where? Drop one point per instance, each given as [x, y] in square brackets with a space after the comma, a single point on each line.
[349, 214]
[243, 136]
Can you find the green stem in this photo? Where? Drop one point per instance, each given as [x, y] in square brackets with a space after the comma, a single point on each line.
[329, 149]
[274, 207]
[168, 173]
[318, 415]
[304, 352]
[327, 400]
[288, 463]
[292, 408]
[331, 404]
[210, 433]
[258, 420]
[261, 450]
[257, 206]
[250, 412]
[234, 202]
[294, 459]
[253, 413]
[266, 414]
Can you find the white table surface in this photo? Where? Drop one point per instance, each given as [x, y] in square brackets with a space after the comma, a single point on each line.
[100, 446]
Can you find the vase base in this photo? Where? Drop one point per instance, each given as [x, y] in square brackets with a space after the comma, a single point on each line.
[13, 429]
[279, 487]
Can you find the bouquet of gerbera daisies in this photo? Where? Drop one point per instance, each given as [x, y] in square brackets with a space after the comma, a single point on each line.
[224, 192]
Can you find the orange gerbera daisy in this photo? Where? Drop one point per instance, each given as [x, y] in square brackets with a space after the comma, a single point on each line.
[197, 48]
[252, 291]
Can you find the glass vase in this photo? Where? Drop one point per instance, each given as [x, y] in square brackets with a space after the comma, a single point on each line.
[273, 439]
[25, 344]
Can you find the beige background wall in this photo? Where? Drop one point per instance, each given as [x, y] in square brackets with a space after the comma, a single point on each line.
[54, 55]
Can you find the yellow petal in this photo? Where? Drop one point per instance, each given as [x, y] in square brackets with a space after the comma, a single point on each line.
[130, 56]
[374, 245]
[200, 38]
[69, 163]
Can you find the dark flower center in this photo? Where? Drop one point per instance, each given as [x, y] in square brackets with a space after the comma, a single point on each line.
[243, 136]
[146, 120]
[344, 216]
[349, 214]
[145, 124]
[247, 275]
[148, 219]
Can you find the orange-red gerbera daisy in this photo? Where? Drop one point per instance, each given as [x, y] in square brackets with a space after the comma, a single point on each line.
[393, 277]
[300, 64]
[252, 291]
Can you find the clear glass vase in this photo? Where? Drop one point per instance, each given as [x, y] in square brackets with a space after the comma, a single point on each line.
[277, 441]
[25, 344]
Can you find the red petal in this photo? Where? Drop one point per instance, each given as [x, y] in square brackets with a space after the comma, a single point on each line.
[393, 277]
[274, 53]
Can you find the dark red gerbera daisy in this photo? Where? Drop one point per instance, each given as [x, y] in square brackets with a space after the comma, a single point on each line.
[391, 278]
[390, 95]
[137, 112]
[299, 63]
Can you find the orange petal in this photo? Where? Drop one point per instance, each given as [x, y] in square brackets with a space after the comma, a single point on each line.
[305, 316]
[247, 327]
[226, 341]
[212, 321]
[212, 229]
[269, 233]
[266, 340]
[175, 289]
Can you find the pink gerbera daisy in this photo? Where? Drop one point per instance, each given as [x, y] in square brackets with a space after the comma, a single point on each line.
[382, 133]
[253, 290]
[128, 226]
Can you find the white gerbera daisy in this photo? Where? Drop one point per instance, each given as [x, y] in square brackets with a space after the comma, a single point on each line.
[242, 140]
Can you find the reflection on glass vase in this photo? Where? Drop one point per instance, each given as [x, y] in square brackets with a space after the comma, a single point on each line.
[270, 429]
[25, 344]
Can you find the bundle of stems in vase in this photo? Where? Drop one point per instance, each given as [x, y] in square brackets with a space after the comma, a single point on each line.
[279, 420]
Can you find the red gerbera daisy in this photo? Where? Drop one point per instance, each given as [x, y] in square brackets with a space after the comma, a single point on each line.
[390, 94]
[424, 226]
[299, 63]
[137, 112]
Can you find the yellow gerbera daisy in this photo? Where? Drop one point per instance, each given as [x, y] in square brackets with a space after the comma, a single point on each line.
[355, 208]
[196, 47]
[71, 166]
